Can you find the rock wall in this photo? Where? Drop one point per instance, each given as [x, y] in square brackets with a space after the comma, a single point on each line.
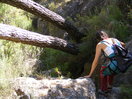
[30, 88]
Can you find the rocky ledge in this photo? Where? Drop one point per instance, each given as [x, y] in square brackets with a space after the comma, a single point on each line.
[30, 88]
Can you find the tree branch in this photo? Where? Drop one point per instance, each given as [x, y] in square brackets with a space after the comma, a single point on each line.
[15, 34]
[46, 14]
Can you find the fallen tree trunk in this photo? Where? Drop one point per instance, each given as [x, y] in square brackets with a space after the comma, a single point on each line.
[46, 14]
[15, 34]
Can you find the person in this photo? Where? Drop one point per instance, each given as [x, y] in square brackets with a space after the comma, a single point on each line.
[106, 74]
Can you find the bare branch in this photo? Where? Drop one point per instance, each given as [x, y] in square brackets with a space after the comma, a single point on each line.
[46, 14]
[15, 34]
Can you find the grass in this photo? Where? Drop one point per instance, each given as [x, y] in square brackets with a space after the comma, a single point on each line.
[5, 88]
[16, 60]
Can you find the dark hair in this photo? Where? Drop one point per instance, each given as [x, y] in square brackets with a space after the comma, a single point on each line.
[100, 35]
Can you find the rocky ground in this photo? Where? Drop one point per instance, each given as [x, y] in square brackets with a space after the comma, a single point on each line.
[55, 88]
[30, 88]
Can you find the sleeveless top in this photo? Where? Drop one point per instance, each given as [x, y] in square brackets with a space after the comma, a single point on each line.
[109, 52]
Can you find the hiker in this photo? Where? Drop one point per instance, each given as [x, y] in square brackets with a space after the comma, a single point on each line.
[105, 45]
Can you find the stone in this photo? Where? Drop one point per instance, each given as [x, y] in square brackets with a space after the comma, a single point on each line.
[54, 88]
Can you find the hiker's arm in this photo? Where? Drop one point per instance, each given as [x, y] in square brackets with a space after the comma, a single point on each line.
[95, 62]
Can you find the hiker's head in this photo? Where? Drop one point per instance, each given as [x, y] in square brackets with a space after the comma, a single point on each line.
[101, 35]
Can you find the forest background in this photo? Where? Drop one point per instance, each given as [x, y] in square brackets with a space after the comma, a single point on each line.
[16, 59]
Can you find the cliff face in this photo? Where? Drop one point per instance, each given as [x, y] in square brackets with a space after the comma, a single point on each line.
[30, 88]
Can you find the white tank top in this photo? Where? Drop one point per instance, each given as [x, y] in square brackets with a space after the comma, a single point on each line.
[109, 51]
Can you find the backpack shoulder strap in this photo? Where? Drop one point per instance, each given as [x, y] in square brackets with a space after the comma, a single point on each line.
[113, 41]
[106, 43]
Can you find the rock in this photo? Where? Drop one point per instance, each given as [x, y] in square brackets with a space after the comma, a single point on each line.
[129, 44]
[80, 88]
[83, 7]
[113, 94]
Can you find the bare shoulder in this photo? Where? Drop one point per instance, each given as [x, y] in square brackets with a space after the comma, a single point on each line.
[99, 46]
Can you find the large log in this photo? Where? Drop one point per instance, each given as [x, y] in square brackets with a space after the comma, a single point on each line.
[15, 34]
[46, 14]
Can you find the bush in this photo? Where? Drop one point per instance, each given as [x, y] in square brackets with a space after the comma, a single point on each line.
[13, 56]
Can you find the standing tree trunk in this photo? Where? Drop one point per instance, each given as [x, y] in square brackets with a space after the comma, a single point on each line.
[46, 14]
[15, 34]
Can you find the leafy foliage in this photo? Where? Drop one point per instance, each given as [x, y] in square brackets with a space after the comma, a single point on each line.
[109, 18]
[14, 16]
[14, 56]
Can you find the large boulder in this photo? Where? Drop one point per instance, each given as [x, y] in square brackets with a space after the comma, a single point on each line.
[28, 88]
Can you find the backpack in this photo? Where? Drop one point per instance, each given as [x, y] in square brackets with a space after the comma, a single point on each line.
[123, 58]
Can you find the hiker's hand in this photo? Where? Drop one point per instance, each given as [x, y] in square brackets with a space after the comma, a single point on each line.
[87, 76]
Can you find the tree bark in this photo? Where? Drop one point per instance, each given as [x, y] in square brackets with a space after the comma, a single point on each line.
[15, 34]
[46, 14]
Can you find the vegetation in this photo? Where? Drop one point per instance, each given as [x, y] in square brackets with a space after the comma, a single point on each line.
[109, 18]
[13, 16]
[13, 57]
